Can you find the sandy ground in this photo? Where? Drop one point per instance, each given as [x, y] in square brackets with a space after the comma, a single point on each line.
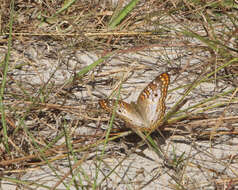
[131, 169]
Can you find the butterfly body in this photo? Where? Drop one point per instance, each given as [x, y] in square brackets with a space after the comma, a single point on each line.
[148, 111]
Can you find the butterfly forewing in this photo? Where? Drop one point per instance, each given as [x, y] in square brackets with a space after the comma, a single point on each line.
[151, 101]
[148, 112]
[125, 111]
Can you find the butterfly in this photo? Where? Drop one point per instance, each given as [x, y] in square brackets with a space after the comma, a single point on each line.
[147, 113]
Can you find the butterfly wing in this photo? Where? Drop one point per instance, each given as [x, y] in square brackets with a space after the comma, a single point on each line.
[151, 101]
[125, 111]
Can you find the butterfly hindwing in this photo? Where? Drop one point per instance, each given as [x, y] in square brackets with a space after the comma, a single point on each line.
[125, 111]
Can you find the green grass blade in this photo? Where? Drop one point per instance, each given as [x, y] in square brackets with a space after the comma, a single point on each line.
[5, 70]
[122, 14]
[88, 68]
[211, 43]
[93, 65]
[28, 184]
[67, 4]
[106, 139]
